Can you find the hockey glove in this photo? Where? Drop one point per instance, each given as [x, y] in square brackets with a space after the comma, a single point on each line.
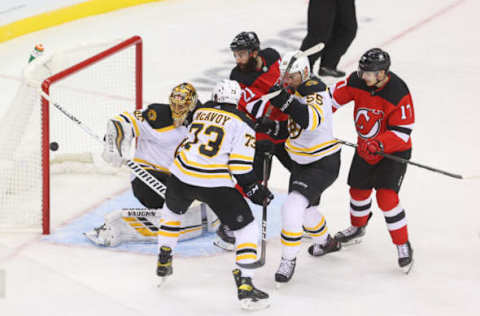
[370, 149]
[275, 129]
[257, 193]
[118, 138]
[283, 100]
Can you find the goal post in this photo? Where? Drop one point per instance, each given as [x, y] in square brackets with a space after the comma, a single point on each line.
[94, 82]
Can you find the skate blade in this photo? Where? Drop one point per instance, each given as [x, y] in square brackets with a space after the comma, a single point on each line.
[161, 282]
[279, 285]
[251, 305]
[408, 269]
[351, 242]
[223, 245]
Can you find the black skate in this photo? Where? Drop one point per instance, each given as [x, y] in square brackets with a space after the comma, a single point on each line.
[285, 271]
[250, 297]
[405, 257]
[224, 238]
[164, 264]
[352, 235]
[331, 245]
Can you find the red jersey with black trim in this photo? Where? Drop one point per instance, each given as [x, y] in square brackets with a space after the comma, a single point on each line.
[255, 84]
[385, 114]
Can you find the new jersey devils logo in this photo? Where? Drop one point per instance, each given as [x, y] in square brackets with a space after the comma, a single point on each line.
[368, 122]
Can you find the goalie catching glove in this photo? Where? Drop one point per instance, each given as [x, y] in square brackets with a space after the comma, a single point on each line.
[118, 138]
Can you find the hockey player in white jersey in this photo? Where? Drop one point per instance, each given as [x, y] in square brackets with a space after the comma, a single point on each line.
[219, 148]
[159, 130]
[316, 162]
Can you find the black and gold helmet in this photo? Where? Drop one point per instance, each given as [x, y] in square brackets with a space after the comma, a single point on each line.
[182, 100]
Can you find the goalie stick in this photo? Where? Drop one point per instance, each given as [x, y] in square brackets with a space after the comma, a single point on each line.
[152, 182]
[406, 161]
[267, 165]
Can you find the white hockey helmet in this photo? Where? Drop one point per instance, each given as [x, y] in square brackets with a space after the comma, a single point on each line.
[227, 91]
[301, 65]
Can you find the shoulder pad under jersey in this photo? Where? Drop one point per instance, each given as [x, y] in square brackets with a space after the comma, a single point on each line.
[395, 90]
[229, 108]
[242, 115]
[158, 115]
[270, 55]
[311, 86]
[354, 81]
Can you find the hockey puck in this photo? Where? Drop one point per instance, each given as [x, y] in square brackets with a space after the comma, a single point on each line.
[53, 146]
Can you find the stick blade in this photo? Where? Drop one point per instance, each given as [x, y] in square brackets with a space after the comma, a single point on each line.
[312, 50]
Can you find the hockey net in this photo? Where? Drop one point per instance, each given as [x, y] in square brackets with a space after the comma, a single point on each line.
[93, 82]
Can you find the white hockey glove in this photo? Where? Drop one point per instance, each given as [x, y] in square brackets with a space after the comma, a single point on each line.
[118, 138]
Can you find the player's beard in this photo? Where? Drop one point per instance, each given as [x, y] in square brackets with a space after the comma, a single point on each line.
[250, 66]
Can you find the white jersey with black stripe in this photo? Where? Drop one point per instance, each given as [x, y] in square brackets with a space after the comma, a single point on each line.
[316, 141]
[157, 137]
[220, 144]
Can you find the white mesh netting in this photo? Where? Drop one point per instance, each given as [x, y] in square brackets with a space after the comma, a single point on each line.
[93, 94]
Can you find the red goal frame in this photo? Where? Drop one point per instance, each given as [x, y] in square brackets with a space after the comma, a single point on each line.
[45, 110]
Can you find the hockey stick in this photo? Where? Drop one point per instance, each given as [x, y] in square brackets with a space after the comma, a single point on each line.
[406, 161]
[152, 182]
[311, 51]
[267, 165]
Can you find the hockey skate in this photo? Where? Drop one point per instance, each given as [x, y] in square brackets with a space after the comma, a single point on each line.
[224, 238]
[164, 264]
[350, 236]
[250, 297]
[331, 245]
[405, 257]
[285, 271]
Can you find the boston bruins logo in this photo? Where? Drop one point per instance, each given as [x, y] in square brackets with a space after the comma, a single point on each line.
[152, 115]
[294, 130]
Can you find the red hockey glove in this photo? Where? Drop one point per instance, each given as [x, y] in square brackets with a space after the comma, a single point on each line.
[369, 149]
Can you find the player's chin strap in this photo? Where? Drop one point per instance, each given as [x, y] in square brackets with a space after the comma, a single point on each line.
[152, 182]
[267, 165]
[406, 161]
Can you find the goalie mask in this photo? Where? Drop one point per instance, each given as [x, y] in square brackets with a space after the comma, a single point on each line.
[183, 99]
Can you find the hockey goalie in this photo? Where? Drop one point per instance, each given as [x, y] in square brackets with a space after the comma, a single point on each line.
[159, 131]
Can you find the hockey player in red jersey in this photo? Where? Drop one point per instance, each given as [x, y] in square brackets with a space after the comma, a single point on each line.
[384, 119]
[257, 71]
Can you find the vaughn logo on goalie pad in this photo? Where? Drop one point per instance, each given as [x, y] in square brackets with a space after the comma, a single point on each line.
[140, 213]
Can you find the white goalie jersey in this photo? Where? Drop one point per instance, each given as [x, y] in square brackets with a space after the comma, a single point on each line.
[221, 143]
[315, 141]
[157, 137]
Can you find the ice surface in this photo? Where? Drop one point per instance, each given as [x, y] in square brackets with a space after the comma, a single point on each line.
[434, 47]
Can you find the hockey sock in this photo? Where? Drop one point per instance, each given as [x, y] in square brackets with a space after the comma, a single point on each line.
[293, 211]
[170, 226]
[246, 246]
[315, 225]
[394, 213]
[360, 206]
